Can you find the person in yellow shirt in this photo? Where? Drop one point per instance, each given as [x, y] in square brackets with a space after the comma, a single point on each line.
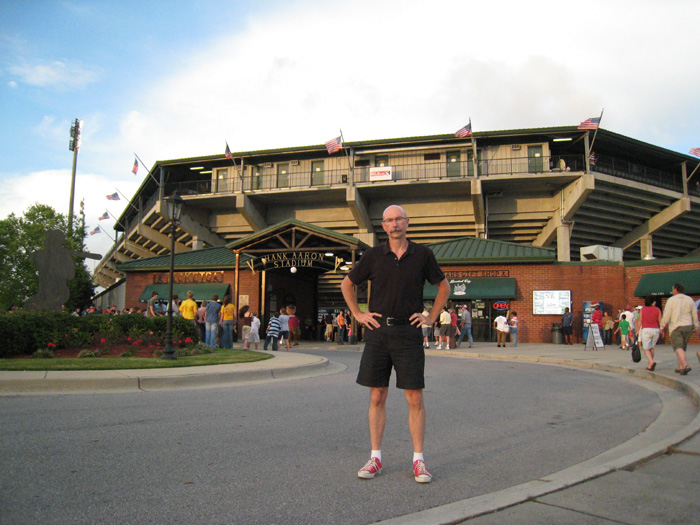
[188, 308]
[227, 318]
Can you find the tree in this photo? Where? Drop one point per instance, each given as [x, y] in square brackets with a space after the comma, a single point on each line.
[22, 236]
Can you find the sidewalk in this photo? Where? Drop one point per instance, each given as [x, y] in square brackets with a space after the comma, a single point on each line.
[653, 478]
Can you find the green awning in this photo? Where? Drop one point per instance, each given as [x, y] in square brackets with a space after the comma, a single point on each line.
[662, 283]
[476, 288]
[200, 291]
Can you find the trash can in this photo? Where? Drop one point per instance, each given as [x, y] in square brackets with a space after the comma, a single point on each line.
[557, 334]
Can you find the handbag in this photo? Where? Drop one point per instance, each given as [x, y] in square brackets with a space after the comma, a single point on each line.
[636, 354]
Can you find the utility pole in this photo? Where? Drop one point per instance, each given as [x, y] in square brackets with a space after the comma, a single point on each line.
[74, 146]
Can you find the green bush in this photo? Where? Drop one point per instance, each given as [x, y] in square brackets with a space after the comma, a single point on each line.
[22, 333]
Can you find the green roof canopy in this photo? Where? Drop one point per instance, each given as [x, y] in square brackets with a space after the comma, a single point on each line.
[476, 288]
[200, 291]
[662, 283]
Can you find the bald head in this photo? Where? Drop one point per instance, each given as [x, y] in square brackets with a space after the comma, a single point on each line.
[393, 210]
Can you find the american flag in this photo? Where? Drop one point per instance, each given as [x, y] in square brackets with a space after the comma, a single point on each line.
[135, 169]
[590, 123]
[334, 145]
[104, 216]
[466, 131]
[695, 151]
[96, 230]
[113, 197]
[228, 153]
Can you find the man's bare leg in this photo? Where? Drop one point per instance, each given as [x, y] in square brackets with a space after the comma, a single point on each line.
[416, 418]
[377, 415]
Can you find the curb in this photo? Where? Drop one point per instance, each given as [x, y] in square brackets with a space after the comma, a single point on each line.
[595, 467]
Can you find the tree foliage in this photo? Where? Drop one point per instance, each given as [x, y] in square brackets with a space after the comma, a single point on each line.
[22, 236]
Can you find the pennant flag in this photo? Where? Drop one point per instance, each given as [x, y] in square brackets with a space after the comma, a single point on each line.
[334, 145]
[103, 217]
[228, 153]
[695, 151]
[590, 123]
[113, 197]
[135, 169]
[466, 131]
[96, 230]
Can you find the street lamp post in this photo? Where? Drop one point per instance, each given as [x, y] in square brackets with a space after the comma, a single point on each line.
[174, 208]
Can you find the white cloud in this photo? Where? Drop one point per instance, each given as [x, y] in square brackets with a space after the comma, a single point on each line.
[52, 187]
[57, 73]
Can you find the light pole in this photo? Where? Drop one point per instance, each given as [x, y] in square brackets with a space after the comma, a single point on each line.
[173, 205]
[73, 146]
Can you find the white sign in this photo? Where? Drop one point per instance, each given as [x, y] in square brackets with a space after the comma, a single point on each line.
[594, 339]
[550, 302]
[383, 173]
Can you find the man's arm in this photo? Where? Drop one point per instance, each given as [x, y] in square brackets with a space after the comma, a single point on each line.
[364, 318]
[440, 300]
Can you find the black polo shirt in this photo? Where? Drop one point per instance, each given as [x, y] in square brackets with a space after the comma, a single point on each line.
[397, 284]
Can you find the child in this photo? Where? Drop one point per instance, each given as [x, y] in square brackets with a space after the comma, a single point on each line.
[273, 332]
[624, 329]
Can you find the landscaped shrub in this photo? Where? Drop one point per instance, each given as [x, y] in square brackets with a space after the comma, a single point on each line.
[23, 333]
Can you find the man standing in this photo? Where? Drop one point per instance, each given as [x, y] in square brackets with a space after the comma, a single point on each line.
[151, 306]
[466, 326]
[188, 308]
[445, 320]
[397, 270]
[567, 325]
[681, 317]
[500, 323]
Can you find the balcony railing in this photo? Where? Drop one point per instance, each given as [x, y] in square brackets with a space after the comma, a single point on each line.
[555, 164]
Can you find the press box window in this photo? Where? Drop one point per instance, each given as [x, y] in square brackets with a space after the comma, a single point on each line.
[431, 156]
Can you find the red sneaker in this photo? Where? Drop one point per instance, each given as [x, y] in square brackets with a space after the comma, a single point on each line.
[420, 473]
[371, 469]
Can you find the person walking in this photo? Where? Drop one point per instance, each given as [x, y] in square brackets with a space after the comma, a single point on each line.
[513, 327]
[342, 327]
[681, 317]
[328, 319]
[254, 334]
[624, 329]
[648, 330]
[272, 332]
[466, 328]
[397, 270]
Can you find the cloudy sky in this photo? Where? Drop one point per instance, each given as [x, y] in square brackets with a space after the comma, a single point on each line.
[172, 79]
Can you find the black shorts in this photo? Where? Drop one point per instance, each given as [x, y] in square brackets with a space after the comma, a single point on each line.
[567, 330]
[400, 347]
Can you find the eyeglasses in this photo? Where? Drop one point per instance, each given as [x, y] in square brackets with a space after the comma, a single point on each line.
[392, 221]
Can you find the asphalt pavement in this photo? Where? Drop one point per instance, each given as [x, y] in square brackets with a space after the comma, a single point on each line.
[651, 478]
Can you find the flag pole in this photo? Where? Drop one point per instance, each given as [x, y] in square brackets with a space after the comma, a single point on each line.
[142, 162]
[125, 198]
[596, 130]
[347, 155]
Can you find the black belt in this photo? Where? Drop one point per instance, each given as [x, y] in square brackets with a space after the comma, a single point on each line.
[394, 321]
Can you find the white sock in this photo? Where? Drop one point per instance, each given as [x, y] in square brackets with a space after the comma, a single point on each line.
[376, 454]
[418, 456]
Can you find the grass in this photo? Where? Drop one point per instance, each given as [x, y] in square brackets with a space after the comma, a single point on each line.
[217, 357]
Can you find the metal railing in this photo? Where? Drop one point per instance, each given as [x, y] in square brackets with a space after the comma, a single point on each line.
[554, 164]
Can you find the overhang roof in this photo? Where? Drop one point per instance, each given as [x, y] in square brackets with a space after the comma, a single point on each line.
[473, 250]
[208, 258]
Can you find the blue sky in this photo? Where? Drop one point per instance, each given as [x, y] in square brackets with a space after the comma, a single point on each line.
[177, 79]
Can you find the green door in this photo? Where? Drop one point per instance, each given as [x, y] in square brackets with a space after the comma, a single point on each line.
[534, 159]
[283, 175]
[317, 174]
[453, 164]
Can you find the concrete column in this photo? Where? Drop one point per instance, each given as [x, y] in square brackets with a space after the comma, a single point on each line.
[646, 247]
[197, 243]
[563, 243]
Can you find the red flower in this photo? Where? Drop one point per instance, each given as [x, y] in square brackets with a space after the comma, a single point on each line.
[52, 345]
[179, 342]
[103, 340]
[189, 340]
[128, 338]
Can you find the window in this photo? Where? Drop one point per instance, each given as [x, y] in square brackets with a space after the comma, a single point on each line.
[361, 163]
[454, 168]
[381, 161]
[431, 156]
[317, 175]
[283, 175]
